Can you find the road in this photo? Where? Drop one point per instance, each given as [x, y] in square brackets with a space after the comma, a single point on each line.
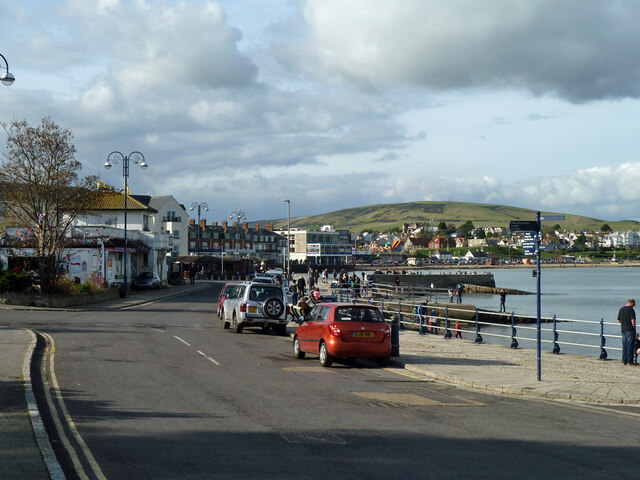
[162, 391]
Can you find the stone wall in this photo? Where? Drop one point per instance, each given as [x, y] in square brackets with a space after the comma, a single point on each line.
[60, 300]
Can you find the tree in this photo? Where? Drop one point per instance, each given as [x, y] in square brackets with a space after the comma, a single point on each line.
[41, 191]
[465, 229]
[605, 228]
[480, 233]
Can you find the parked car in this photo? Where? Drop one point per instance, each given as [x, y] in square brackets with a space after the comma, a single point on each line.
[343, 330]
[224, 294]
[147, 280]
[263, 279]
[256, 305]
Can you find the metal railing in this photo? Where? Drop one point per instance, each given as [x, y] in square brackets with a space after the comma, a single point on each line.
[420, 307]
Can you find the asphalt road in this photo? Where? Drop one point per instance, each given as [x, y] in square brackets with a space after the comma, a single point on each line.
[162, 391]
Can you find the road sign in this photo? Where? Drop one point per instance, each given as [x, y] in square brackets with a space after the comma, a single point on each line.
[529, 243]
[523, 226]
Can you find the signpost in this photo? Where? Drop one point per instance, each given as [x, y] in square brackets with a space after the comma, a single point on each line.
[531, 244]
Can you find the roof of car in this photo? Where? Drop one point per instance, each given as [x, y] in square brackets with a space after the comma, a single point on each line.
[346, 304]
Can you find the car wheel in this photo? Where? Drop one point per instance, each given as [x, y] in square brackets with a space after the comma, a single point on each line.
[382, 361]
[235, 326]
[297, 353]
[325, 359]
[273, 308]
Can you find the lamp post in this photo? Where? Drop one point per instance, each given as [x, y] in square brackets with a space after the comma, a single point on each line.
[115, 158]
[240, 215]
[206, 209]
[288, 237]
[7, 78]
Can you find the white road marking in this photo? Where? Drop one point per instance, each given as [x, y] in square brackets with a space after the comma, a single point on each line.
[208, 358]
[183, 341]
[157, 330]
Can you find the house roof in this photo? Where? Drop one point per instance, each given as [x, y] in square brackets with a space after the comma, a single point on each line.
[115, 201]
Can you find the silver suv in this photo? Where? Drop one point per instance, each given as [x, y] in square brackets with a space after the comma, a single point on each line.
[256, 305]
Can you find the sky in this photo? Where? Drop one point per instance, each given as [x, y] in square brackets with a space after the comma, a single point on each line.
[340, 103]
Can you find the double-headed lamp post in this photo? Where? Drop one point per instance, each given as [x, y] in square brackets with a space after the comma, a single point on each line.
[288, 238]
[240, 215]
[206, 209]
[7, 77]
[115, 158]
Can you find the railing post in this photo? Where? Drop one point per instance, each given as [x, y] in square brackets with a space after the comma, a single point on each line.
[514, 341]
[447, 332]
[556, 347]
[603, 341]
[478, 336]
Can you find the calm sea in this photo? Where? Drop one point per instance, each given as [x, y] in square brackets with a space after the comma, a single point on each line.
[570, 293]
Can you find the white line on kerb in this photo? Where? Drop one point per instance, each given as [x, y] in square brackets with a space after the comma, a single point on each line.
[183, 341]
[208, 358]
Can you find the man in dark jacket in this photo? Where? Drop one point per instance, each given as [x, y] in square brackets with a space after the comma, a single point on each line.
[627, 320]
[302, 285]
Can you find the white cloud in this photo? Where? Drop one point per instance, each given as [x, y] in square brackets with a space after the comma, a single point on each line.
[578, 50]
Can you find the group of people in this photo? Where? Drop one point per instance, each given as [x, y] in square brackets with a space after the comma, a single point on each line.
[630, 339]
[457, 292]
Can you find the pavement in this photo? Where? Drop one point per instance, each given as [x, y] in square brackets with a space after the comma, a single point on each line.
[491, 368]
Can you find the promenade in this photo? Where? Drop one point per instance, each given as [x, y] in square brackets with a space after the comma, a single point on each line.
[490, 368]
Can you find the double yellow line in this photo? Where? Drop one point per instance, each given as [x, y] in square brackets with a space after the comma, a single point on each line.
[60, 413]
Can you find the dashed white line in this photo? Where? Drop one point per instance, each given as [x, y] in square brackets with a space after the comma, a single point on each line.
[157, 330]
[208, 358]
[183, 341]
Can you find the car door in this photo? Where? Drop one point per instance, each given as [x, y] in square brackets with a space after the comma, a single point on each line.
[319, 315]
[306, 335]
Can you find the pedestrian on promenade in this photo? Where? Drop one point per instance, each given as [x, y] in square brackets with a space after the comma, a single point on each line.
[450, 296]
[460, 290]
[302, 285]
[627, 321]
[192, 274]
[636, 349]
[503, 297]
[458, 330]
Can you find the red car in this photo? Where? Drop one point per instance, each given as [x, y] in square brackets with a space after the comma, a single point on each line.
[224, 294]
[348, 330]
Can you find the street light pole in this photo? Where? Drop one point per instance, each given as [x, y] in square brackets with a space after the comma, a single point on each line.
[198, 234]
[288, 237]
[6, 78]
[115, 158]
[240, 215]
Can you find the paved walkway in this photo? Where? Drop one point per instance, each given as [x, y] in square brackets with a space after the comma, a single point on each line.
[492, 368]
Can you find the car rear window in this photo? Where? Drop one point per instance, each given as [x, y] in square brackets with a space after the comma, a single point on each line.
[261, 292]
[358, 314]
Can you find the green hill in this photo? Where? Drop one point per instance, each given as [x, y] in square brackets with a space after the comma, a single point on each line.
[384, 217]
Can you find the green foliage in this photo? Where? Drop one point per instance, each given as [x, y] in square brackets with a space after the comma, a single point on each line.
[465, 228]
[12, 282]
[64, 285]
[605, 228]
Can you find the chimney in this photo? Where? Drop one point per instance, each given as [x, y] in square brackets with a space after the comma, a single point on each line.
[192, 221]
[269, 226]
[245, 226]
[224, 225]
[203, 223]
[257, 227]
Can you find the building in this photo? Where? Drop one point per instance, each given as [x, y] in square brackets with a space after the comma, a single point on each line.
[319, 247]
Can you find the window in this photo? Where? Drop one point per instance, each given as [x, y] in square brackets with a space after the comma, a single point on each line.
[358, 314]
[145, 223]
[176, 234]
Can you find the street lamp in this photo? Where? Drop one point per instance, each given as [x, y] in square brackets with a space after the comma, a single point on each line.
[115, 158]
[206, 209]
[288, 237]
[7, 78]
[240, 215]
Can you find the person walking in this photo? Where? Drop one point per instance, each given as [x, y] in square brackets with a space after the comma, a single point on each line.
[503, 297]
[302, 285]
[192, 273]
[627, 321]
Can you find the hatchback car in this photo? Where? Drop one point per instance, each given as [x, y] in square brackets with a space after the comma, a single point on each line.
[224, 294]
[147, 280]
[344, 330]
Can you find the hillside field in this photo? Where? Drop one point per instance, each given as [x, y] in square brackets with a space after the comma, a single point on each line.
[384, 217]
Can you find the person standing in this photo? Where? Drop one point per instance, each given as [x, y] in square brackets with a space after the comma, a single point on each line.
[192, 273]
[302, 285]
[503, 297]
[627, 321]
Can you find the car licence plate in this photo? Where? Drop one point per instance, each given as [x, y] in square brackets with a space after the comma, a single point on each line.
[363, 334]
[253, 309]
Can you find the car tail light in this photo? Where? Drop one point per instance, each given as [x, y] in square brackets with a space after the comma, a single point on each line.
[387, 332]
[334, 330]
[243, 307]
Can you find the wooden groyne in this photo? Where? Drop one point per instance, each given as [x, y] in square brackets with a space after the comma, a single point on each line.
[445, 280]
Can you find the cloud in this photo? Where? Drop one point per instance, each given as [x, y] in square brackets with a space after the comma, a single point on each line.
[579, 51]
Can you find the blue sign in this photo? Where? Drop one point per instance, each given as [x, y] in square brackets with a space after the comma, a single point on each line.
[529, 243]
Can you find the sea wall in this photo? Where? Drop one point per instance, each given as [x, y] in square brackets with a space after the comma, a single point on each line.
[445, 280]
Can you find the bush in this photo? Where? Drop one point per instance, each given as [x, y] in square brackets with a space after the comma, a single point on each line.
[12, 282]
[65, 285]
